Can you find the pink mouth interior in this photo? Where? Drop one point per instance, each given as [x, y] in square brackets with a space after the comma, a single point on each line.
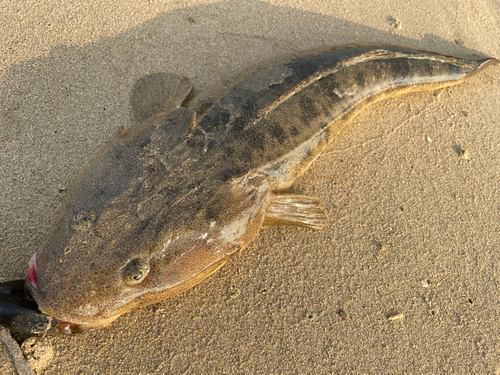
[31, 278]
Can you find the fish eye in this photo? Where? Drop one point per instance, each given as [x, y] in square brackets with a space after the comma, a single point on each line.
[135, 271]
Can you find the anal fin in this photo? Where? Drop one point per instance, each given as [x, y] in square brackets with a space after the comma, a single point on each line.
[295, 210]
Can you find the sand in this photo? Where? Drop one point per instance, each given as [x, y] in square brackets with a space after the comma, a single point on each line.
[411, 253]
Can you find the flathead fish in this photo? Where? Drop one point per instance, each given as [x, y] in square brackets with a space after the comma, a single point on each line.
[168, 201]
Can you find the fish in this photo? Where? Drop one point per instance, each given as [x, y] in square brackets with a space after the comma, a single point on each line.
[169, 200]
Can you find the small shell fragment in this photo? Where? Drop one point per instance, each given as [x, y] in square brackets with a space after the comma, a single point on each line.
[396, 317]
[343, 314]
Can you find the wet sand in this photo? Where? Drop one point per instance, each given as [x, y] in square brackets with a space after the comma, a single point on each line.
[412, 248]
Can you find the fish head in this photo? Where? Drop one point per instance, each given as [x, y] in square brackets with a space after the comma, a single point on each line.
[104, 258]
[88, 276]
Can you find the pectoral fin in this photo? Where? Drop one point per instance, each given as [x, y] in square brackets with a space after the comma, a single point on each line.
[158, 93]
[294, 210]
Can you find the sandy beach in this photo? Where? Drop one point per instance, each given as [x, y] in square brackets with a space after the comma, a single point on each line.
[405, 277]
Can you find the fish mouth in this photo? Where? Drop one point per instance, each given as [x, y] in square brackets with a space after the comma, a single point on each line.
[31, 277]
[33, 289]
[58, 325]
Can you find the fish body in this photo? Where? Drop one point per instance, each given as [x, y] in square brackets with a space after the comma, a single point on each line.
[167, 202]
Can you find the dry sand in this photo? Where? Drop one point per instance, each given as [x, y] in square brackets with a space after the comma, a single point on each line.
[412, 250]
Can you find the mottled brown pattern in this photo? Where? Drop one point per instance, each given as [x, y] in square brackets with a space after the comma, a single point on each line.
[165, 204]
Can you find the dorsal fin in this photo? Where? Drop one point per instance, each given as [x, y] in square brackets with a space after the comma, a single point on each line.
[157, 93]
